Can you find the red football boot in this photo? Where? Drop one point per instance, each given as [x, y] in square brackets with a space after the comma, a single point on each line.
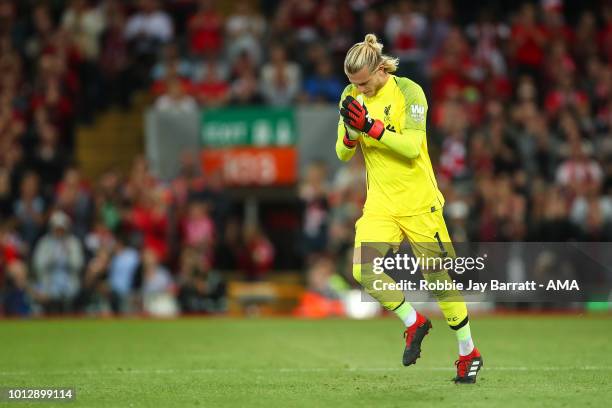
[468, 367]
[414, 336]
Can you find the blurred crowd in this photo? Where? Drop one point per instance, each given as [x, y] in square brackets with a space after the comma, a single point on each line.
[519, 129]
[519, 126]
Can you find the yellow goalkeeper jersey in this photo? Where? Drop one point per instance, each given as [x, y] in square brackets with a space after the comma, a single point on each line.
[400, 178]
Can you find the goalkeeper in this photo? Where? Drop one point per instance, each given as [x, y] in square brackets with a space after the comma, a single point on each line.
[385, 115]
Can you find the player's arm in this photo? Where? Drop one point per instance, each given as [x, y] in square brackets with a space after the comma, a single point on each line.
[347, 138]
[407, 142]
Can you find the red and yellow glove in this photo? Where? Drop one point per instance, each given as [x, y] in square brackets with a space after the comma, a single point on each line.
[355, 114]
[351, 136]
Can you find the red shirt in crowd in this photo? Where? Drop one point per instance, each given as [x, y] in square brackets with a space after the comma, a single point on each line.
[529, 44]
[154, 227]
[205, 32]
[449, 74]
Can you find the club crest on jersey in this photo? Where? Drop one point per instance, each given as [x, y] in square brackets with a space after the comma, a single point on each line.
[387, 119]
[417, 113]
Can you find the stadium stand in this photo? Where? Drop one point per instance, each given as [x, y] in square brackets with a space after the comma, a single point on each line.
[519, 119]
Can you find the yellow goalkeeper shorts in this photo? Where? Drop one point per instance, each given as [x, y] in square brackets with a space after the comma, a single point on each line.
[426, 233]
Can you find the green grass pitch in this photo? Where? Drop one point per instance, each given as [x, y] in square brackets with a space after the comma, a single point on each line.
[529, 361]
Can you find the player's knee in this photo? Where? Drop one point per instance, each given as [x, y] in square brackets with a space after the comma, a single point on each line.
[363, 259]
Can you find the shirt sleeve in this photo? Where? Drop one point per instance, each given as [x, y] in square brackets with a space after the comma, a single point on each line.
[344, 152]
[409, 140]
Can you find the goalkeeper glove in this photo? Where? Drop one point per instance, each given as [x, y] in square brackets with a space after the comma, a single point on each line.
[355, 114]
[351, 136]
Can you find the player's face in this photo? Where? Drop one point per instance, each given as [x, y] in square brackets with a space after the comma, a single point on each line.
[366, 82]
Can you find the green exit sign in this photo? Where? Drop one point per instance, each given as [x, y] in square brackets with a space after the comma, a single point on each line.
[248, 127]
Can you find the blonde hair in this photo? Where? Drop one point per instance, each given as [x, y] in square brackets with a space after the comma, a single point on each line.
[368, 54]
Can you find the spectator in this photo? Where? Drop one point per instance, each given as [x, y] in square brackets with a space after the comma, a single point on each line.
[115, 64]
[198, 228]
[139, 184]
[585, 43]
[586, 208]
[57, 260]
[346, 199]
[488, 37]
[280, 78]
[149, 221]
[564, 95]
[54, 97]
[405, 29]
[171, 60]
[18, 296]
[336, 23]
[85, 25]
[303, 18]
[280, 26]
[99, 238]
[229, 250]
[201, 288]
[372, 22]
[94, 297]
[42, 30]
[527, 40]
[6, 196]
[245, 90]
[122, 270]
[205, 30]
[245, 29]
[161, 86]
[189, 177]
[213, 90]
[579, 172]
[29, 209]
[145, 31]
[322, 298]
[258, 256]
[176, 99]
[49, 158]
[453, 69]
[439, 26]
[11, 247]
[74, 198]
[313, 194]
[157, 287]
[549, 218]
[108, 200]
[324, 85]
[554, 22]
[605, 34]
[149, 27]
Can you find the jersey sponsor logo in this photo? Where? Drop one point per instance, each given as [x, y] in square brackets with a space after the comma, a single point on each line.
[390, 127]
[417, 113]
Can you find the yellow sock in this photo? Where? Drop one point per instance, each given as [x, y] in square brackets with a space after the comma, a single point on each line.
[451, 302]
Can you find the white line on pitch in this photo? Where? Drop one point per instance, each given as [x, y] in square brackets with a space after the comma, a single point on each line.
[118, 371]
